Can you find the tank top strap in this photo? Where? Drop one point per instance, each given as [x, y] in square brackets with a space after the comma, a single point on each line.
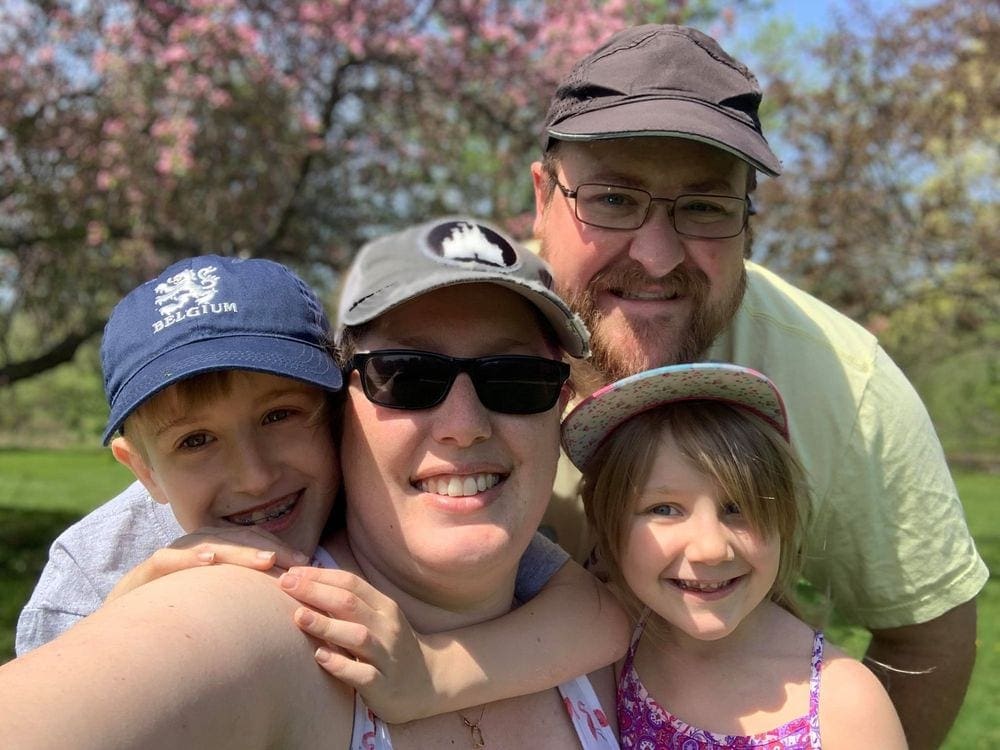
[588, 718]
[634, 642]
[370, 732]
[814, 681]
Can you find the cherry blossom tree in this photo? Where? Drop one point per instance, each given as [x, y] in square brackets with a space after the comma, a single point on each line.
[134, 132]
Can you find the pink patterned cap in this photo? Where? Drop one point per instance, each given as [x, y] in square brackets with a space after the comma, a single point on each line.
[600, 414]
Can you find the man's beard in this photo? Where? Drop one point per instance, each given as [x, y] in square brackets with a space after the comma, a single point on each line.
[617, 354]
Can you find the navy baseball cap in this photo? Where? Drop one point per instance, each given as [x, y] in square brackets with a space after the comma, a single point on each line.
[662, 80]
[209, 313]
[444, 252]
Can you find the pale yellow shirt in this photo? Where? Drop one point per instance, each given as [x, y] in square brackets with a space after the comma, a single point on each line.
[887, 537]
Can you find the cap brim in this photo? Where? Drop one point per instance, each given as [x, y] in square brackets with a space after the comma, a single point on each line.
[587, 427]
[274, 356]
[570, 330]
[671, 118]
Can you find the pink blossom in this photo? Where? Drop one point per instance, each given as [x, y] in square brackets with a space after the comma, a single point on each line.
[175, 53]
[96, 233]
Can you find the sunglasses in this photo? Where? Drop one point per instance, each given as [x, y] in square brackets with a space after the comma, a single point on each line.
[505, 383]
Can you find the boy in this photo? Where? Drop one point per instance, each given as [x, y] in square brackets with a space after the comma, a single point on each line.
[220, 383]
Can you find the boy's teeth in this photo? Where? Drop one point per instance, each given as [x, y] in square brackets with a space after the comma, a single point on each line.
[264, 515]
[458, 486]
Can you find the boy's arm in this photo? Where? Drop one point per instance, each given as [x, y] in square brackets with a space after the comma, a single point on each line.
[574, 626]
[87, 560]
[249, 548]
[63, 596]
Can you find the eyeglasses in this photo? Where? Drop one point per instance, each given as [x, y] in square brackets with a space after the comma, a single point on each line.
[507, 383]
[713, 217]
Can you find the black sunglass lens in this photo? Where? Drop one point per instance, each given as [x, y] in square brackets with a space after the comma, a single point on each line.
[406, 381]
[518, 386]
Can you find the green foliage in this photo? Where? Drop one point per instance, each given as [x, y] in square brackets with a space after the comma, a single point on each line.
[887, 131]
[61, 407]
[962, 395]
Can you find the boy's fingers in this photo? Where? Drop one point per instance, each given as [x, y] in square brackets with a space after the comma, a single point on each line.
[233, 537]
[247, 557]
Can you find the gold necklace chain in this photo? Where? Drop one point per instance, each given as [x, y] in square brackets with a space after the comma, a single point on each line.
[476, 734]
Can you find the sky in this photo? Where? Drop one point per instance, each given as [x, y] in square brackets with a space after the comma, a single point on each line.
[818, 14]
[810, 19]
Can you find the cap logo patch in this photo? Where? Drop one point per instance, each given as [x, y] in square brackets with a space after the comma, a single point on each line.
[189, 294]
[463, 243]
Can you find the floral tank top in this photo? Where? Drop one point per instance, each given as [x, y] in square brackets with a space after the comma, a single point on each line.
[645, 725]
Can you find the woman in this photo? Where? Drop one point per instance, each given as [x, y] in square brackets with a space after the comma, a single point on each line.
[449, 449]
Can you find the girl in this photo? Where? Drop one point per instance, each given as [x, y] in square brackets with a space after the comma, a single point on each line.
[695, 495]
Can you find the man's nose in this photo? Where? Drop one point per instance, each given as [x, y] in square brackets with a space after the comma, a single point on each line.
[655, 245]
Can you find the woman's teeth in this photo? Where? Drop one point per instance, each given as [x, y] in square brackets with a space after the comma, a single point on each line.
[458, 486]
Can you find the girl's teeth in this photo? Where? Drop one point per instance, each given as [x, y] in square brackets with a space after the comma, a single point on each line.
[706, 587]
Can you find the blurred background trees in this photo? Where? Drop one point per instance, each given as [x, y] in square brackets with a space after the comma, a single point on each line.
[132, 133]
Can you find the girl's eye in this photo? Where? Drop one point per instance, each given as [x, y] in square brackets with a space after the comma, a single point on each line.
[732, 509]
[663, 510]
[277, 415]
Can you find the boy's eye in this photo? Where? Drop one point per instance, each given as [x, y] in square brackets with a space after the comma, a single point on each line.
[197, 440]
[277, 415]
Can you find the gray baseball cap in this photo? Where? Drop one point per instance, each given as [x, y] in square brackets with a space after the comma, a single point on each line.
[662, 80]
[444, 252]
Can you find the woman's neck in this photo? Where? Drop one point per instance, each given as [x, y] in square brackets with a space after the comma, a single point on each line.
[430, 606]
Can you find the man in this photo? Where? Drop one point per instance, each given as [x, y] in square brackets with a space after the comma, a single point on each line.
[652, 146]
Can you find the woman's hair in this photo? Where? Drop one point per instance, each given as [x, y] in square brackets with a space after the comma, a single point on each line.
[749, 462]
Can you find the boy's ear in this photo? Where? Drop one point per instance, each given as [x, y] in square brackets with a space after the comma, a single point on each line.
[128, 455]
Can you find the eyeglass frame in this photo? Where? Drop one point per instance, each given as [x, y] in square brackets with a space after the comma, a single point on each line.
[748, 209]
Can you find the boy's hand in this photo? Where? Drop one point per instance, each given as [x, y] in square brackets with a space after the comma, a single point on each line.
[369, 644]
[208, 546]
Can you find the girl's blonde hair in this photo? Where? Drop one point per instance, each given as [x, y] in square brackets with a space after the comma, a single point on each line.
[749, 462]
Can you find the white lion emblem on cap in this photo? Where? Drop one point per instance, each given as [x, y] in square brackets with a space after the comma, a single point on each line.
[187, 288]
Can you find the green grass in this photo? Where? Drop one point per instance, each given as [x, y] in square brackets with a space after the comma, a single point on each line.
[74, 481]
[44, 491]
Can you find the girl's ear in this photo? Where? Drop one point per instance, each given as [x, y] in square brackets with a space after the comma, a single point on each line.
[128, 455]
[566, 395]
